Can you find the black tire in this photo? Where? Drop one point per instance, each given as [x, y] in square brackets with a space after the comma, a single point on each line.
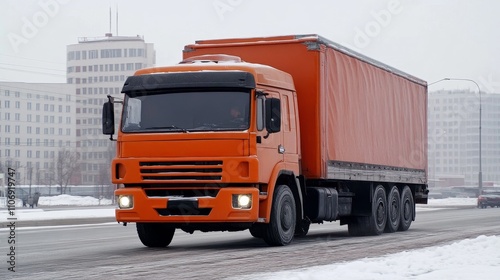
[258, 230]
[155, 234]
[407, 209]
[376, 222]
[281, 227]
[393, 210]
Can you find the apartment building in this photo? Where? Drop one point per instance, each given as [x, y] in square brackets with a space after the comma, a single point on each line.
[36, 121]
[453, 133]
[98, 67]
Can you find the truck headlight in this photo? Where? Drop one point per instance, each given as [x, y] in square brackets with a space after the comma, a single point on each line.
[125, 201]
[242, 201]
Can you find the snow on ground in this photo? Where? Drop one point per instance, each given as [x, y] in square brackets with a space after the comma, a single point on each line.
[65, 199]
[36, 214]
[452, 201]
[467, 259]
[477, 258]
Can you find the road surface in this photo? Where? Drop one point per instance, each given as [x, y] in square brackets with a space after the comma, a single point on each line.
[111, 251]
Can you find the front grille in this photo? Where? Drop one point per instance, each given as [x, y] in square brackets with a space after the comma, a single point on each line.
[181, 170]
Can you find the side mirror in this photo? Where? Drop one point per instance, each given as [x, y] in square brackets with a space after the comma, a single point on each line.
[108, 119]
[273, 115]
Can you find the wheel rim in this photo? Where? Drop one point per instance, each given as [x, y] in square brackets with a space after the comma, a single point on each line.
[407, 210]
[286, 215]
[381, 213]
[394, 210]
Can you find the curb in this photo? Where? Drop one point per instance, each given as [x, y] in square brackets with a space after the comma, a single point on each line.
[59, 222]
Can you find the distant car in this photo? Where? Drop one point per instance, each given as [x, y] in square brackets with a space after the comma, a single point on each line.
[488, 199]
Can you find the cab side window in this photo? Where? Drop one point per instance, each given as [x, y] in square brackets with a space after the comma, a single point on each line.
[260, 113]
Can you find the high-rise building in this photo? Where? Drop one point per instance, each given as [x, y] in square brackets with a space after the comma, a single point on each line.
[98, 67]
[453, 131]
[37, 121]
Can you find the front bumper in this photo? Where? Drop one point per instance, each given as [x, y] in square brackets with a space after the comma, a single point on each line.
[202, 209]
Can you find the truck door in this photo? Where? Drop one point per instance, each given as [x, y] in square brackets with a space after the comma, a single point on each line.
[290, 130]
[269, 146]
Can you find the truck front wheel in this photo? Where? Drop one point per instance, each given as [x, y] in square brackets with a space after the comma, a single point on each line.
[281, 227]
[155, 234]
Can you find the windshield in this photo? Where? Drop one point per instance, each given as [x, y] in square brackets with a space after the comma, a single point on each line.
[187, 111]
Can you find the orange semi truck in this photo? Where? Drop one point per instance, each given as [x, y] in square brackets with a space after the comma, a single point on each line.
[270, 135]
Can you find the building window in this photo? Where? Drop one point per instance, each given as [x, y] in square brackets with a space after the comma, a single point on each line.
[93, 54]
[132, 52]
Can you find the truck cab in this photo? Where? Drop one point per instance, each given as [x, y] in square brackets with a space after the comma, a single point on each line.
[200, 142]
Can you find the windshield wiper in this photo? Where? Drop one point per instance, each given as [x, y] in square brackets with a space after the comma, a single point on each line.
[169, 127]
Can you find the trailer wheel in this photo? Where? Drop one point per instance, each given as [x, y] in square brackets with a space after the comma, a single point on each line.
[407, 208]
[281, 227]
[393, 210]
[155, 234]
[375, 223]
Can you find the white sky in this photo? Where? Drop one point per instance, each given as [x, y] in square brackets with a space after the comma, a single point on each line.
[477, 258]
[430, 39]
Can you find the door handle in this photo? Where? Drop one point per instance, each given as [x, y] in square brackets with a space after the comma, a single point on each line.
[281, 149]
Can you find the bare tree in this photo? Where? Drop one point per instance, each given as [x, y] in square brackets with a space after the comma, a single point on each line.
[67, 163]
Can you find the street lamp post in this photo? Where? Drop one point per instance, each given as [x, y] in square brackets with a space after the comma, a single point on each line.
[480, 176]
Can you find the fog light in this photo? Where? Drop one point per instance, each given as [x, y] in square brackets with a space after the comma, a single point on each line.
[125, 201]
[242, 201]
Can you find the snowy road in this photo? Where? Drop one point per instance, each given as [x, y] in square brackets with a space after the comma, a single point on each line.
[86, 252]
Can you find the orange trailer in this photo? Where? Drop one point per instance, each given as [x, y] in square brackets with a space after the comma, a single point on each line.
[322, 134]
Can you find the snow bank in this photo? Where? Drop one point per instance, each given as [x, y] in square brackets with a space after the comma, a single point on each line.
[477, 258]
[65, 199]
